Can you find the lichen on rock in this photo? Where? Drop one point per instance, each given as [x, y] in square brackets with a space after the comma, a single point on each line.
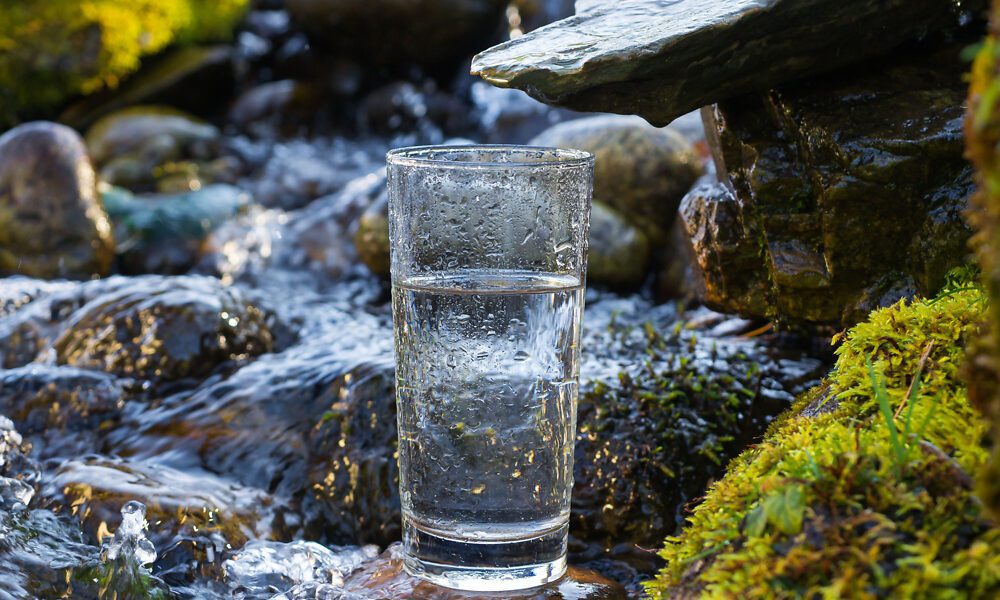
[52, 50]
[863, 489]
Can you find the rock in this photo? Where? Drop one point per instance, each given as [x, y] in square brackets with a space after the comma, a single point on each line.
[283, 104]
[653, 434]
[164, 233]
[153, 328]
[168, 330]
[619, 252]
[385, 578]
[392, 35]
[55, 51]
[805, 242]
[641, 171]
[372, 237]
[61, 408]
[130, 146]
[983, 365]
[199, 79]
[663, 58]
[52, 224]
[196, 517]
[678, 275]
[730, 260]
[792, 510]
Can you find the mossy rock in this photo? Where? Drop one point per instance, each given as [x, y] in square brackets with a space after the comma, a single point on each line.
[844, 499]
[982, 130]
[53, 50]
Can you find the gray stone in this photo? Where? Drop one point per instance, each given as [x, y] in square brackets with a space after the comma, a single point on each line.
[52, 224]
[663, 58]
[619, 252]
[641, 171]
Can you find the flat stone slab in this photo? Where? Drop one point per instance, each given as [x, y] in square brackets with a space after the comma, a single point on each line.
[663, 58]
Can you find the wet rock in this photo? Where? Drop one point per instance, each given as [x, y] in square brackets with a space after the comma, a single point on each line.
[198, 79]
[44, 556]
[164, 233]
[150, 327]
[731, 261]
[641, 171]
[619, 252]
[315, 424]
[353, 473]
[52, 224]
[197, 517]
[372, 238]
[677, 272]
[433, 34]
[385, 578]
[804, 241]
[652, 436]
[61, 408]
[166, 330]
[284, 105]
[132, 145]
[663, 58]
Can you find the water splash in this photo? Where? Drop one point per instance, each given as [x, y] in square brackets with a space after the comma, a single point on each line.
[262, 568]
[130, 541]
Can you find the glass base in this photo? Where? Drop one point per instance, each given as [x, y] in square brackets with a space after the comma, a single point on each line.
[484, 566]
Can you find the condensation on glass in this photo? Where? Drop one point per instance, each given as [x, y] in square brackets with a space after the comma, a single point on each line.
[489, 256]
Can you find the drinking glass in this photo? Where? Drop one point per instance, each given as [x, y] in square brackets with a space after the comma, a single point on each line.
[489, 258]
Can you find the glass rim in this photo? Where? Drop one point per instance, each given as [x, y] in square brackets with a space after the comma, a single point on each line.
[422, 156]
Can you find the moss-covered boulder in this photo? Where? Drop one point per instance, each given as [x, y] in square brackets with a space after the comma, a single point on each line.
[983, 135]
[144, 148]
[52, 50]
[850, 191]
[52, 224]
[864, 489]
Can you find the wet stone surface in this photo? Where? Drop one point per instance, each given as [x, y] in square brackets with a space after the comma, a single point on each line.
[662, 58]
[792, 236]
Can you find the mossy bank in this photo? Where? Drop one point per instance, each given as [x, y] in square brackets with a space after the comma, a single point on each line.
[862, 490]
[53, 50]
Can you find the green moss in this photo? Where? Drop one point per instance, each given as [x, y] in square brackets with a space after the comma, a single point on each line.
[983, 138]
[52, 50]
[836, 502]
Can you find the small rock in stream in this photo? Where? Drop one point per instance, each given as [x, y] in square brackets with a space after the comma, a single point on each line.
[641, 171]
[52, 224]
